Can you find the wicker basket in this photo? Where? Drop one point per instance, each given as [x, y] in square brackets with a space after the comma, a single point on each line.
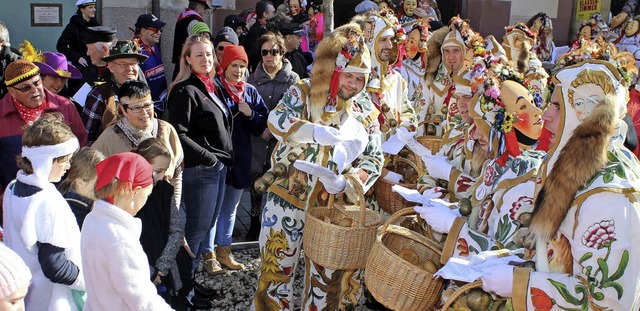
[434, 143]
[388, 200]
[337, 247]
[393, 281]
[463, 289]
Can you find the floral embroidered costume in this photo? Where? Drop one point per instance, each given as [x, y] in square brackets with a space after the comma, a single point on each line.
[310, 107]
[413, 67]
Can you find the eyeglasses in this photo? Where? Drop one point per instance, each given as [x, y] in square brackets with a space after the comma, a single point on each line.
[273, 52]
[154, 30]
[27, 87]
[125, 65]
[138, 109]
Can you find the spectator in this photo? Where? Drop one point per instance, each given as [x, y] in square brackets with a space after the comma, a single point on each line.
[99, 41]
[264, 12]
[292, 34]
[101, 106]
[162, 230]
[250, 119]
[16, 277]
[203, 123]
[116, 269]
[238, 24]
[39, 225]
[135, 123]
[55, 72]
[7, 56]
[272, 78]
[226, 36]
[71, 41]
[192, 14]
[200, 29]
[78, 187]
[26, 101]
[148, 31]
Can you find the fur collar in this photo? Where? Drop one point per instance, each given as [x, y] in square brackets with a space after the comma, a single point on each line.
[586, 149]
[434, 55]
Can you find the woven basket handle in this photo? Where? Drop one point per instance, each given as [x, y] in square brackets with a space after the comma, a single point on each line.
[403, 212]
[459, 292]
[359, 191]
[415, 166]
[429, 121]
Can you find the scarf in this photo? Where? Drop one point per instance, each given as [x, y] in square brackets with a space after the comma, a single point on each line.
[207, 82]
[236, 91]
[189, 12]
[29, 115]
[136, 135]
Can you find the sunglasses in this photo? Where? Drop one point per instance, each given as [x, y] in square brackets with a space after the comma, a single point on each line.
[27, 87]
[154, 30]
[273, 52]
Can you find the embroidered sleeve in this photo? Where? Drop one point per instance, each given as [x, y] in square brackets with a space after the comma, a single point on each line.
[286, 118]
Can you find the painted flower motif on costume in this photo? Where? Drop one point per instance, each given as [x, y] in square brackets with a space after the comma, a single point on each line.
[489, 175]
[599, 235]
[522, 201]
[463, 247]
[541, 301]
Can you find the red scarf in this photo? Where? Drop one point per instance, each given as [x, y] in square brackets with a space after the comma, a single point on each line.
[29, 115]
[236, 91]
[207, 82]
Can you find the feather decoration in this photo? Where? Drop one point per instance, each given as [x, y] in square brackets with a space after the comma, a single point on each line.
[30, 53]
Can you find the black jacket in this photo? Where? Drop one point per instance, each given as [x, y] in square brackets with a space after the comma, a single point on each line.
[71, 41]
[202, 126]
[180, 35]
[251, 44]
[298, 62]
[7, 56]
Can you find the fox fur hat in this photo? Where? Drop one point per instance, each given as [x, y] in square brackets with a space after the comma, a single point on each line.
[591, 89]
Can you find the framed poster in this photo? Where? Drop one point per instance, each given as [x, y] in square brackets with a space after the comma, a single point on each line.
[46, 14]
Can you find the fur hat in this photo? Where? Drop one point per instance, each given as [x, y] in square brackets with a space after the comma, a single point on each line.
[583, 136]
[14, 273]
[332, 56]
[20, 70]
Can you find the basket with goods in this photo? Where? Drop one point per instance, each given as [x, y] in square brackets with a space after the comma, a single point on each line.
[410, 169]
[470, 296]
[430, 139]
[400, 268]
[280, 169]
[339, 235]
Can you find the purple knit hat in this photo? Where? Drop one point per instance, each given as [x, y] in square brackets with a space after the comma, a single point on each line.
[56, 65]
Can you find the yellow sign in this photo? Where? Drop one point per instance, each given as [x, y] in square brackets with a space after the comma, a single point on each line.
[586, 8]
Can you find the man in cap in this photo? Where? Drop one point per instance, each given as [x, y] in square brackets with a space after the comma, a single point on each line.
[101, 105]
[386, 87]
[99, 41]
[192, 14]
[26, 101]
[226, 36]
[292, 34]
[147, 35]
[319, 113]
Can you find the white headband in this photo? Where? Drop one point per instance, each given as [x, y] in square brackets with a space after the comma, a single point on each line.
[41, 157]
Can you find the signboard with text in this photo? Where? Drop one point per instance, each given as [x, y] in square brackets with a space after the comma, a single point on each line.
[46, 14]
[586, 8]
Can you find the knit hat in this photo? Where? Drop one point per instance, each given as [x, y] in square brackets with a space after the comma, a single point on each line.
[231, 53]
[20, 70]
[226, 34]
[127, 167]
[14, 273]
[198, 28]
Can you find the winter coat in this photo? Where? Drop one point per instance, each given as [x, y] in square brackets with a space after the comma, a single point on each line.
[71, 41]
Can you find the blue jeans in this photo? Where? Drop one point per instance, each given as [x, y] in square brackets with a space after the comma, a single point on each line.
[227, 218]
[202, 194]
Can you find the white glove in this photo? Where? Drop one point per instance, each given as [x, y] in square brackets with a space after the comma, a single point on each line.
[326, 135]
[433, 193]
[334, 185]
[437, 214]
[499, 280]
[438, 167]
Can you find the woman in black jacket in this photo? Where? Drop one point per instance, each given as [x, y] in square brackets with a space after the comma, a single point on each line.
[71, 41]
[203, 123]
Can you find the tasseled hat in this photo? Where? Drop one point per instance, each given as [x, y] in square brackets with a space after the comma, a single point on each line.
[20, 70]
[343, 50]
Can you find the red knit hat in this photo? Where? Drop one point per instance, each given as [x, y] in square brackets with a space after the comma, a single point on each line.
[231, 53]
[127, 167]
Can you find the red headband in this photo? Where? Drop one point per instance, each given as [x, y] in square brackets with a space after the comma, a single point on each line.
[127, 167]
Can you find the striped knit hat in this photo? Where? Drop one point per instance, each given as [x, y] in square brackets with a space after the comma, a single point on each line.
[199, 28]
[20, 70]
[14, 273]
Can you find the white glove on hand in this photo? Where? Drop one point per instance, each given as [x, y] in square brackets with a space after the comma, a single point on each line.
[437, 214]
[438, 167]
[326, 135]
[334, 185]
[433, 193]
[499, 280]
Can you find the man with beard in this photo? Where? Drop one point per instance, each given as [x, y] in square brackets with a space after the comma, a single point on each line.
[313, 114]
[26, 101]
[148, 31]
[101, 105]
[386, 87]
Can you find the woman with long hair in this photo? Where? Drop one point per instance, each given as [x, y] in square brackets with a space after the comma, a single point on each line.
[203, 123]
